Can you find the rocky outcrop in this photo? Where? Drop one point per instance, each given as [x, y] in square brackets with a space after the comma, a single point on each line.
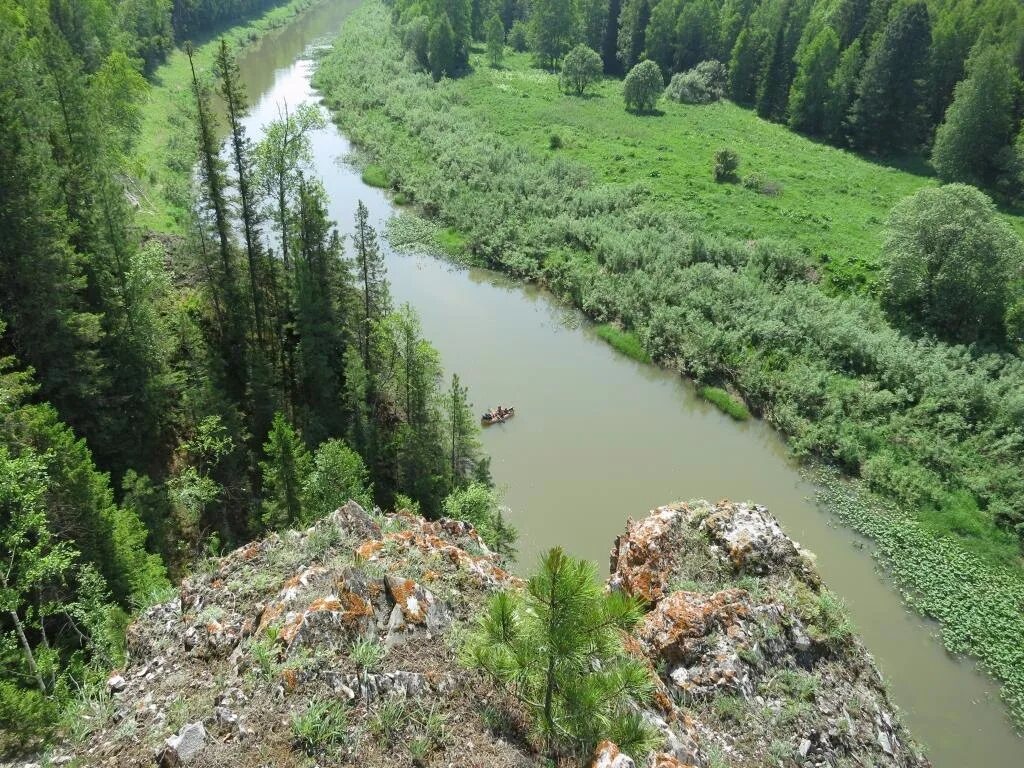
[338, 645]
[756, 655]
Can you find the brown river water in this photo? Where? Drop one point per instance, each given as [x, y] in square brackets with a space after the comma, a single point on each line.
[598, 438]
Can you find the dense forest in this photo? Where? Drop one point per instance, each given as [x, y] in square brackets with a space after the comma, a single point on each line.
[940, 77]
[165, 396]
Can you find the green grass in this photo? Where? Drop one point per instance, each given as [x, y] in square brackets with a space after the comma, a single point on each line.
[725, 402]
[374, 176]
[163, 150]
[625, 342]
[451, 241]
[832, 202]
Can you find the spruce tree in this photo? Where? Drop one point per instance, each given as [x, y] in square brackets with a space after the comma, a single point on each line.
[285, 469]
[222, 281]
[610, 42]
[744, 65]
[979, 122]
[371, 275]
[232, 92]
[323, 289]
[889, 113]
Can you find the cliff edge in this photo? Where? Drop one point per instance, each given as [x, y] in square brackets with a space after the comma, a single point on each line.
[339, 645]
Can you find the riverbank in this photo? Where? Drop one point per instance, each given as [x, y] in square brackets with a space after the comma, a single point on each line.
[164, 149]
[827, 372]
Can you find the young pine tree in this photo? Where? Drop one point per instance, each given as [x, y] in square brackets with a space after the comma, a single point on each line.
[558, 649]
[463, 443]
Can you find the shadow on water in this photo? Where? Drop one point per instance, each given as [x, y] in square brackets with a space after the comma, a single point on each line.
[599, 437]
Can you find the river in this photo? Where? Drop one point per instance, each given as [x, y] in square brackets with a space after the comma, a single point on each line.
[599, 438]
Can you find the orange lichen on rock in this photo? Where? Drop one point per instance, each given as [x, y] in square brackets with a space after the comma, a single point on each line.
[369, 549]
[642, 558]
[687, 615]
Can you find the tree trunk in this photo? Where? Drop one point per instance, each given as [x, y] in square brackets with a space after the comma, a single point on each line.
[29, 656]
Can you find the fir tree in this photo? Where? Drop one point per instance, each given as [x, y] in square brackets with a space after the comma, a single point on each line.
[372, 277]
[889, 113]
[285, 470]
[495, 34]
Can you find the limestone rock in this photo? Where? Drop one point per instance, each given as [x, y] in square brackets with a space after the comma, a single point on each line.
[182, 748]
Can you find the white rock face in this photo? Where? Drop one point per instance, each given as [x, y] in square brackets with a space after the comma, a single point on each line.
[182, 748]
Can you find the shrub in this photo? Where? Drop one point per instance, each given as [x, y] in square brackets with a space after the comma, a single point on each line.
[555, 141]
[703, 84]
[727, 163]
[949, 263]
[642, 87]
[517, 36]
[481, 506]
[581, 67]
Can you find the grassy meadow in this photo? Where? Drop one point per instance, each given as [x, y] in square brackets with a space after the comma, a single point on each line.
[831, 202]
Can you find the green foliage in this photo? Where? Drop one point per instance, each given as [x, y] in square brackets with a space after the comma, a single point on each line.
[481, 506]
[494, 32]
[626, 342]
[978, 125]
[580, 68]
[338, 475]
[558, 649]
[950, 262]
[726, 165]
[725, 402]
[374, 176]
[642, 87]
[284, 473]
[704, 84]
